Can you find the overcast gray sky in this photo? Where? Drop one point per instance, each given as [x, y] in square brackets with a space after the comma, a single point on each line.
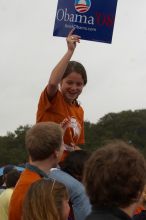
[28, 52]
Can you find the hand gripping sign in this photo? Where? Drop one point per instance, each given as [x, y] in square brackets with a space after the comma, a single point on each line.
[92, 19]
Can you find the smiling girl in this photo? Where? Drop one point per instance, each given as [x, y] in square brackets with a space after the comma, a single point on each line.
[58, 102]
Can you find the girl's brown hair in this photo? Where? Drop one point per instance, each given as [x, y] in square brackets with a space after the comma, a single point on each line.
[74, 66]
[44, 200]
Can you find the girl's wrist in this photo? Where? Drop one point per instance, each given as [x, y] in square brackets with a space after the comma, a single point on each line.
[70, 51]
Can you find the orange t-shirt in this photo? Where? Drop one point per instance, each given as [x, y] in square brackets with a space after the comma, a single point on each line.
[139, 209]
[58, 110]
[26, 179]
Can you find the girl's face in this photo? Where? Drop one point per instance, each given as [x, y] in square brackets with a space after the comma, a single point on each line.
[71, 86]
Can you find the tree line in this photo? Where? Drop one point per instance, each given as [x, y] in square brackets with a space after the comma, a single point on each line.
[129, 126]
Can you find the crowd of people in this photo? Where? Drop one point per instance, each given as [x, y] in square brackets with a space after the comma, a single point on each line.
[61, 181]
[109, 183]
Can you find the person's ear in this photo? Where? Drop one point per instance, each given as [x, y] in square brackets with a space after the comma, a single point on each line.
[60, 83]
[56, 154]
[59, 86]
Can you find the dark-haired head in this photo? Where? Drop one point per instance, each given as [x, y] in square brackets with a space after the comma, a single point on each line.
[74, 163]
[12, 178]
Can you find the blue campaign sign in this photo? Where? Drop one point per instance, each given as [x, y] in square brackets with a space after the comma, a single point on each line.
[92, 19]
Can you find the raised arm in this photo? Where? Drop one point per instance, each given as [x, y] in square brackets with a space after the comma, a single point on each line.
[60, 68]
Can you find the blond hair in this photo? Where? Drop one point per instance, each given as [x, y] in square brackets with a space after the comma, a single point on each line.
[44, 200]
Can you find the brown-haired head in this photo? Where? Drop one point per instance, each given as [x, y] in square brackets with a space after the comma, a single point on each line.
[115, 175]
[74, 66]
[44, 200]
[43, 139]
